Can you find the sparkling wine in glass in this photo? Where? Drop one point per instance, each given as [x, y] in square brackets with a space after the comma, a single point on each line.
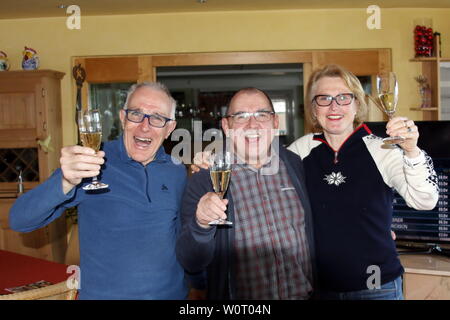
[220, 172]
[387, 87]
[90, 129]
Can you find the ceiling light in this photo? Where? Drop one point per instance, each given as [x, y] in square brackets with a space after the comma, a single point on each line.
[201, 1]
[62, 6]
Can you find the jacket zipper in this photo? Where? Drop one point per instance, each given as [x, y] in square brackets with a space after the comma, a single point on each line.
[146, 185]
[336, 152]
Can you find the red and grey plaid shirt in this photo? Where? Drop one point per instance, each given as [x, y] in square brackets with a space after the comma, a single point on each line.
[272, 255]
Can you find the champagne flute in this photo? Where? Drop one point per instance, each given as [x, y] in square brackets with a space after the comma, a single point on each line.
[220, 172]
[387, 87]
[90, 128]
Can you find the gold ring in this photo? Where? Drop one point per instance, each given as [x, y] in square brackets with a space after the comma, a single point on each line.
[409, 129]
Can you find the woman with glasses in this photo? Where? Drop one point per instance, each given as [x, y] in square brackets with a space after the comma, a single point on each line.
[350, 175]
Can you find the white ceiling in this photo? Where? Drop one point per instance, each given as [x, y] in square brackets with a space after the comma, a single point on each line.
[13, 9]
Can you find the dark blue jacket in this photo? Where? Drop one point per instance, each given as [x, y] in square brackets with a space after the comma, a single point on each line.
[212, 249]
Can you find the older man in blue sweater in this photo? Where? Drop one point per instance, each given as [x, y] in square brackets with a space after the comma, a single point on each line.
[127, 232]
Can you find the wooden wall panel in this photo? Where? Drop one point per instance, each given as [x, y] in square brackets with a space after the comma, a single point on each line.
[112, 69]
[17, 110]
[146, 70]
[360, 62]
[229, 58]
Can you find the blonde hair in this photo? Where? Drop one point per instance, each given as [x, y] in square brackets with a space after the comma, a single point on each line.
[350, 80]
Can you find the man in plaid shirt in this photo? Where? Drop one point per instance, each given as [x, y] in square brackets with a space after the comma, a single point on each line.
[268, 251]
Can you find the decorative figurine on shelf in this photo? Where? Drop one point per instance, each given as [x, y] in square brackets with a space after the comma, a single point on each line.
[423, 41]
[424, 90]
[4, 64]
[30, 59]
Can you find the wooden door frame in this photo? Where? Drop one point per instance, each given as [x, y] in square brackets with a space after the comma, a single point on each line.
[140, 68]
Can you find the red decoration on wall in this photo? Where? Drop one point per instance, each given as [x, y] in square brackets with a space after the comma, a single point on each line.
[423, 41]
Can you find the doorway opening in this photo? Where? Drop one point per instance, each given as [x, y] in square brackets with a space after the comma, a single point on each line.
[203, 92]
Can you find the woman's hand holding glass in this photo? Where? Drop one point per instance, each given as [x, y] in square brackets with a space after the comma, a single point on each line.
[402, 126]
[387, 88]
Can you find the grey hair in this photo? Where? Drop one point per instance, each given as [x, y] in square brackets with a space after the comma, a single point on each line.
[157, 86]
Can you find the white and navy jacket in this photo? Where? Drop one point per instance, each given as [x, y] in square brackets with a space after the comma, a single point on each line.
[351, 193]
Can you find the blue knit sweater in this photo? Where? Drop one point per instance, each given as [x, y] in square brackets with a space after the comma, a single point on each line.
[127, 234]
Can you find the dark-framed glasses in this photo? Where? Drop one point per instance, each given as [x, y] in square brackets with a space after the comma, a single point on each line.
[154, 120]
[343, 99]
[243, 117]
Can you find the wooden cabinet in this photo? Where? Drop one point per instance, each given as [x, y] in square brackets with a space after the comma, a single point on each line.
[431, 69]
[30, 140]
[426, 277]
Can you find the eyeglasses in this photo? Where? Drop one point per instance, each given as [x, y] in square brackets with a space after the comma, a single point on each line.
[153, 119]
[342, 99]
[243, 117]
